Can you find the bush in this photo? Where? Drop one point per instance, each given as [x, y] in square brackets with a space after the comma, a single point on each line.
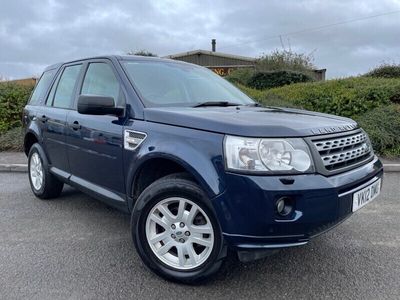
[276, 69]
[383, 127]
[240, 76]
[345, 97]
[285, 60]
[385, 71]
[13, 98]
[266, 80]
[259, 96]
[12, 140]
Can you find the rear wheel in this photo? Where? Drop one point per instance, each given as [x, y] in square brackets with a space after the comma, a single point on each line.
[175, 230]
[43, 184]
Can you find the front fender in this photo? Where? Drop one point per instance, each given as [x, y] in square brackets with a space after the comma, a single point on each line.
[198, 152]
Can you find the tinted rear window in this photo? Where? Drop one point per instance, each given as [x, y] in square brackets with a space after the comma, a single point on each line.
[42, 87]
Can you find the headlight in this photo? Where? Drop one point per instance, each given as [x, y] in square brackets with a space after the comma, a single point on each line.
[271, 155]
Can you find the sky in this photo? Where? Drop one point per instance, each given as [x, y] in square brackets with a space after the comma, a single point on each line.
[35, 34]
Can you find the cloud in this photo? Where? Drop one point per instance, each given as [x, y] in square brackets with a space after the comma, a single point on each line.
[34, 35]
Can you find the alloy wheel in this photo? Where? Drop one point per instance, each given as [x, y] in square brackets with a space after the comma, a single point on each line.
[36, 171]
[179, 233]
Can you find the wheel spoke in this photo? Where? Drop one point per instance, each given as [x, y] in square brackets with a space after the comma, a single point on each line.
[165, 248]
[181, 255]
[201, 229]
[181, 209]
[200, 241]
[37, 183]
[192, 255]
[162, 222]
[189, 216]
[159, 237]
[166, 212]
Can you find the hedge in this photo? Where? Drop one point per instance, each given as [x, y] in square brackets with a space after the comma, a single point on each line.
[383, 127]
[346, 97]
[12, 140]
[271, 100]
[13, 98]
[266, 80]
[385, 71]
[373, 102]
[240, 76]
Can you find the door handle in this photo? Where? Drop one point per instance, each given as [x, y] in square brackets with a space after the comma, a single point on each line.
[43, 119]
[75, 125]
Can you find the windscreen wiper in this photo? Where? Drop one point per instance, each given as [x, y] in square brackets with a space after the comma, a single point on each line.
[216, 103]
[255, 104]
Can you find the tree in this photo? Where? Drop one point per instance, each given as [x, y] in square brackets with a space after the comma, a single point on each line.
[142, 53]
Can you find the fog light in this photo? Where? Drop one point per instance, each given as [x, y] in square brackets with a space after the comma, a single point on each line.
[284, 206]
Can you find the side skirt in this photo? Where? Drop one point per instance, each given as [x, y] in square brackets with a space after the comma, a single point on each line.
[110, 198]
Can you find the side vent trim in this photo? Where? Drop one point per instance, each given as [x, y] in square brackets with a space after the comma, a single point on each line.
[133, 139]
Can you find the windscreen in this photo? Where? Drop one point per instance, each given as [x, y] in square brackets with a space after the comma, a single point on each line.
[176, 84]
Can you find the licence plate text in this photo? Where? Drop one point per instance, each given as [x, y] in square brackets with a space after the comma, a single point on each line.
[366, 195]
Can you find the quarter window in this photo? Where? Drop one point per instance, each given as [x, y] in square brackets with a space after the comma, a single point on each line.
[49, 101]
[41, 88]
[100, 80]
[65, 87]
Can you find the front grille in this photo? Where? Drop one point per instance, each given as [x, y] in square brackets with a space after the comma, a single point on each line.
[340, 151]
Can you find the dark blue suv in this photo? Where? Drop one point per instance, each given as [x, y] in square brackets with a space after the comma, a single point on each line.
[199, 165]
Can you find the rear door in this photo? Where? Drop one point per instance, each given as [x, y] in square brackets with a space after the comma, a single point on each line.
[95, 142]
[38, 98]
[53, 116]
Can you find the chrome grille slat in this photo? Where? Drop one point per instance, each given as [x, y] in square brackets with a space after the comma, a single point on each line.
[340, 151]
[347, 141]
[344, 156]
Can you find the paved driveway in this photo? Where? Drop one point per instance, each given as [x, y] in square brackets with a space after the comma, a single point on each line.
[77, 248]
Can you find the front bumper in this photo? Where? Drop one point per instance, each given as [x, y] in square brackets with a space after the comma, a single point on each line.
[247, 214]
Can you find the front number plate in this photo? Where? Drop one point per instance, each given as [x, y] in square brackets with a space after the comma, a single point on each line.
[366, 195]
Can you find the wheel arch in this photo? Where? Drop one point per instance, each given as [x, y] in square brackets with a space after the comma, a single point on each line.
[30, 138]
[157, 165]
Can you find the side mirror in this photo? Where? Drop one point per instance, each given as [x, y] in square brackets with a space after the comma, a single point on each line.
[98, 105]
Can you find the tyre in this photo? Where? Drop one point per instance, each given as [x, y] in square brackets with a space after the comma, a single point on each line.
[175, 231]
[43, 184]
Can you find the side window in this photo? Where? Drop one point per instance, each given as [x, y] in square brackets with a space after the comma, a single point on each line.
[100, 80]
[41, 88]
[65, 87]
[50, 97]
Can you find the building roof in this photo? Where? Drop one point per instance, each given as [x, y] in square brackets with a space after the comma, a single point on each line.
[217, 54]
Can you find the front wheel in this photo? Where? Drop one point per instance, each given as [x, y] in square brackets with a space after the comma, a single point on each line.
[175, 230]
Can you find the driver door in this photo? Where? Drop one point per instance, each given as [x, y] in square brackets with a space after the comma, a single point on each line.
[95, 142]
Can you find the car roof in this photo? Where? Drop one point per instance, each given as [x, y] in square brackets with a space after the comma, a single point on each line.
[117, 57]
